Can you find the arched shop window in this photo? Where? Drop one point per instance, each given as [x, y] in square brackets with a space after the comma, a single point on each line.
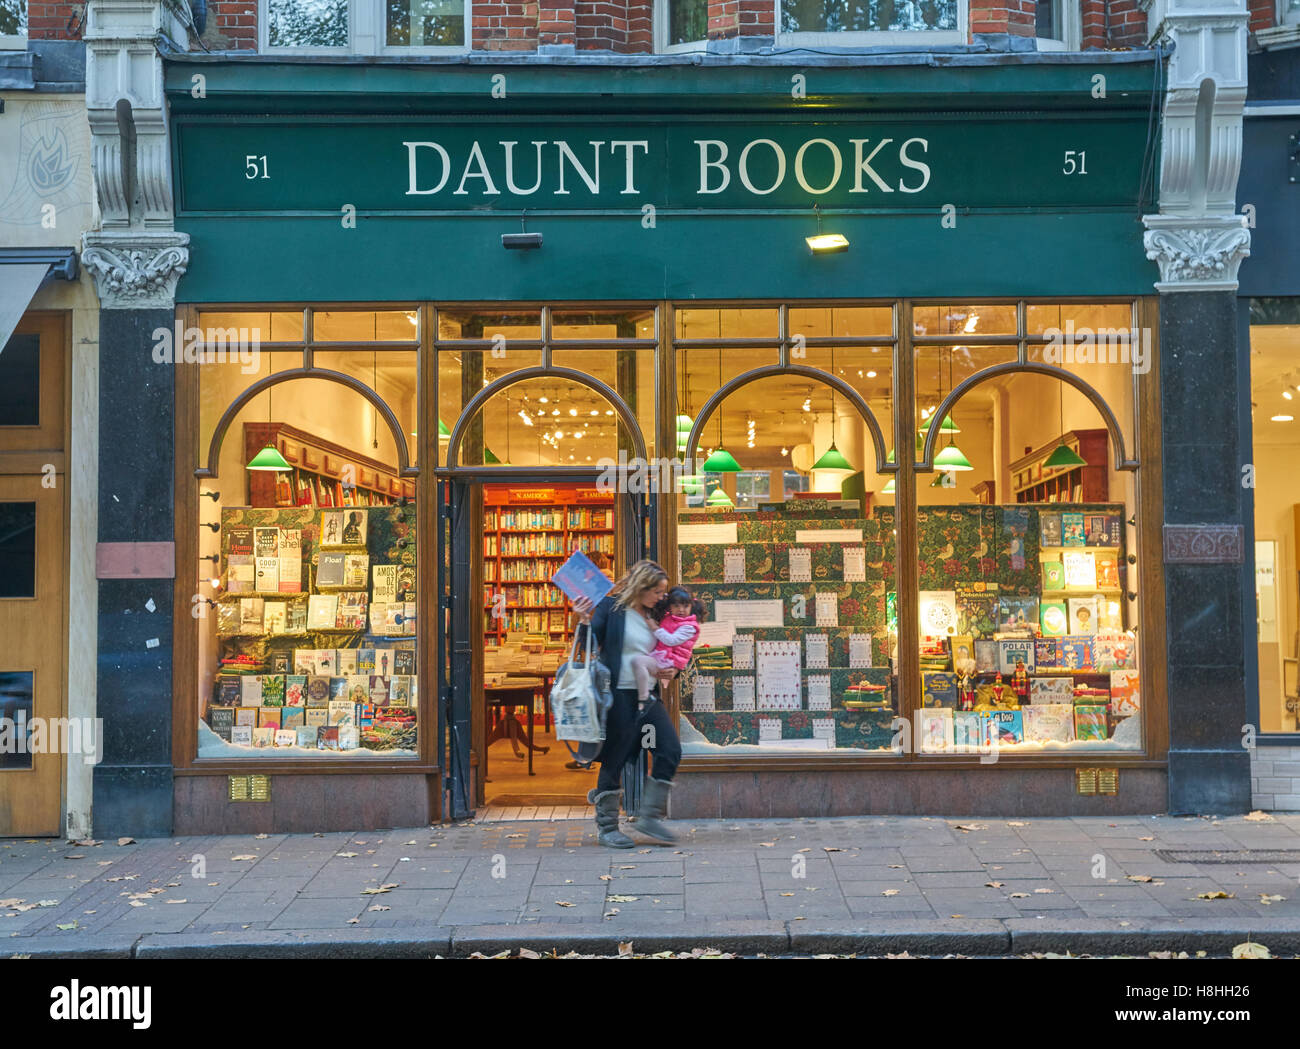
[306, 611]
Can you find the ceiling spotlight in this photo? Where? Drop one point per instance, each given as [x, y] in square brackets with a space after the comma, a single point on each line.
[1286, 394]
[593, 412]
[544, 400]
[1283, 418]
[525, 418]
[573, 411]
[555, 411]
[609, 411]
[870, 375]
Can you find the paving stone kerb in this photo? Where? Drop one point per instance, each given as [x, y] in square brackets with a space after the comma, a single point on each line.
[867, 885]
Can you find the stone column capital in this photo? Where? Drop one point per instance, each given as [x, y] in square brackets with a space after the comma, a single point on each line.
[1199, 253]
[136, 269]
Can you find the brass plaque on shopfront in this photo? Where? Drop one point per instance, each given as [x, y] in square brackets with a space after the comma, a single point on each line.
[1108, 781]
[1086, 781]
[250, 788]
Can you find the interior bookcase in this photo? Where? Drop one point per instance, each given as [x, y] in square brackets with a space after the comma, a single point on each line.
[324, 474]
[528, 532]
[1033, 482]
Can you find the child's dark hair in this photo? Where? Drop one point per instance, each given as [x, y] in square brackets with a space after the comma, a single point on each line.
[679, 595]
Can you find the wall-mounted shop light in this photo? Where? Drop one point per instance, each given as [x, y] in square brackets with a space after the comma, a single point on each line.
[521, 241]
[825, 243]
[214, 496]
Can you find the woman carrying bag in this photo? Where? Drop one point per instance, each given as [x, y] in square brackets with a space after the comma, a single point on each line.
[623, 627]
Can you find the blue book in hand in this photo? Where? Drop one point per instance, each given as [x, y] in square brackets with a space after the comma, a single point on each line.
[579, 577]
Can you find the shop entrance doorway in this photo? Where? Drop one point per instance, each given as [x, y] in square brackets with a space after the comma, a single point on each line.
[507, 628]
[35, 734]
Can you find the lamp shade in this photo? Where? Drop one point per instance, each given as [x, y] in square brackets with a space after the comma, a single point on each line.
[691, 484]
[833, 459]
[1063, 455]
[719, 498]
[684, 424]
[951, 458]
[947, 426]
[269, 459]
[443, 433]
[889, 488]
[721, 462]
[491, 459]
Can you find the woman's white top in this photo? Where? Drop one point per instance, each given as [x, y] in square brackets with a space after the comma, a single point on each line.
[638, 639]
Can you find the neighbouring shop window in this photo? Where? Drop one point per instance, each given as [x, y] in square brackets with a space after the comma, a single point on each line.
[687, 21]
[425, 23]
[862, 16]
[1275, 408]
[13, 20]
[308, 643]
[16, 688]
[20, 381]
[307, 23]
[792, 559]
[17, 550]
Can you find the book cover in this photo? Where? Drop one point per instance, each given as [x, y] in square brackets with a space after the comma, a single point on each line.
[1049, 529]
[1009, 652]
[399, 690]
[967, 730]
[1110, 618]
[352, 610]
[344, 713]
[303, 660]
[383, 583]
[1113, 651]
[264, 736]
[327, 737]
[279, 661]
[356, 570]
[1054, 619]
[239, 541]
[963, 651]
[266, 542]
[938, 689]
[324, 662]
[273, 690]
[378, 692]
[247, 716]
[404, 661]
[1053, 575]
[1076, 653]
[322, 611]
[285, 738]
[1080, 570]
[306, 735]
[274, 617]
[358, 690]
[221, 720]
[1089, 721]
[241, 574]
[295, 690]
[938, 610]
[1051, 690]
[347, 661]
[1049, 723]
[1018, 613]
[1102, 529]
[1047, 653]
[226, 690]
[295, 617]
[378, 613]
[316, 716]
[318, 691]
[293, 717]
[250, 615]
[250, 690]
[242, 735]
[338, 689]
[268, 574]
[383, 662]
[393, 618]
[268, 717]
[366, 661]
[291, 560]
[1125, 697]
[1005, 727]
[579, 577]
[405, 583]
[329, 571]
[936, 730]
[227, 617]
[1072, 531]
[1083, 615]
[349, 737]
[986, 657]
[1107, 571]
[408, 618]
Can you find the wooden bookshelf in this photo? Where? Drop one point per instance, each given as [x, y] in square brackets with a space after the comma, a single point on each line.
[1032, 482]
[320, 470]
[527, 534]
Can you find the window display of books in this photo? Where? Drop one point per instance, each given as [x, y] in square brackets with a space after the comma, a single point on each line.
[329, 662]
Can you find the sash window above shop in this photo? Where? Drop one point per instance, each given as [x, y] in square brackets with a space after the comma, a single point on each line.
[365, 26]
[850, 22]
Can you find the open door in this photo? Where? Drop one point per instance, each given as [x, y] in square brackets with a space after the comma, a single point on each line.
[456, 637]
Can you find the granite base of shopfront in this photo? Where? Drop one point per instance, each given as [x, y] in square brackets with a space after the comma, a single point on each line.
[759, 794]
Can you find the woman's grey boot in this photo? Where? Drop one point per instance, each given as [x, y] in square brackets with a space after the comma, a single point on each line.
[652, 811]
[607, 803]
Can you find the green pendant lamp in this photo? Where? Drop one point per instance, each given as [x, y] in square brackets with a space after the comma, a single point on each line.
[684, 424]
[833, 459]
[719, 498]
[951, 458]
[691, 484]
[947, 426]
[721, 461]
[490, 459]
[941, 480]
[889, 487]
[1063, 455]
[443, 433]
[269, 458]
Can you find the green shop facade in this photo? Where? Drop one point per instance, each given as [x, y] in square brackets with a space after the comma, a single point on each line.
[411, 280]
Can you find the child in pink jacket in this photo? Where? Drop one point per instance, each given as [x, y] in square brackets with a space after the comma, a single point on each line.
[679, 614]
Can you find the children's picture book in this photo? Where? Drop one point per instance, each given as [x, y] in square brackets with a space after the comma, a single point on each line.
[1125, 697]
[1113, 651]
[1083, 615]
[1110, 617]
[936, 731]
[1049, 529]
[356, 570]
[1089, 721]
[1005, 727]
[322, 611]
[241, 574]
[1080, 570]
[1049, 722]
[579, 577]
[329, 572]
[1076, 653]
[1103, 529]
[328, 738]
[967, 730]
[383, 583]
[1072, 532]
[1053, 575]
[285, 738]
[1009, 652]
[1051, 690]
[1017, 613]
[1053, 619]
[266, 542]
[1047, 653]
[963, 650]
[1107, 572]
[986, 657]
[306, 735]
[938, 689]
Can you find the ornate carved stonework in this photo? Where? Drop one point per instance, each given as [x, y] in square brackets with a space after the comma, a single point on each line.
[1203, 544]
[1201, 256]
[136, 270]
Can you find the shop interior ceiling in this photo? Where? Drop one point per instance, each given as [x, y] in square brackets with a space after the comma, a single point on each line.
[1275, 374]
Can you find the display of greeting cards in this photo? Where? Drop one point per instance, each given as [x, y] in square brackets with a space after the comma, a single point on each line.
[1083, 615]
[1053, 619]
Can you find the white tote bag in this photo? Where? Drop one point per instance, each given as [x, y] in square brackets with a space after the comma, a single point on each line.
[577, 703]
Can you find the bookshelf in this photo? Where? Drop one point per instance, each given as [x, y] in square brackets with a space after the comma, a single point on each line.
[1032, 482]
[527, 534]
[320, 469]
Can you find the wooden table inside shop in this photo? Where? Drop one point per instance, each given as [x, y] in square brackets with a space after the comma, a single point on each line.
[504, 696]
